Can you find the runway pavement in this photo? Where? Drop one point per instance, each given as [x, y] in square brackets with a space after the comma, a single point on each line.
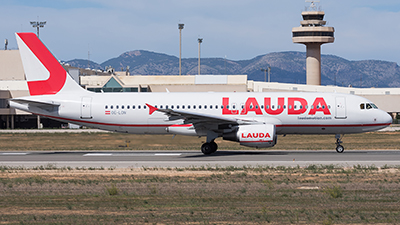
[135, 159]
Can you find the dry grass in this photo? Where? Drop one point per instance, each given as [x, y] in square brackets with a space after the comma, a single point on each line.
[118, 141]
[312, 195]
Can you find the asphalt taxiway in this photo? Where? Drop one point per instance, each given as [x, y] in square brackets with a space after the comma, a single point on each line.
[135, 159]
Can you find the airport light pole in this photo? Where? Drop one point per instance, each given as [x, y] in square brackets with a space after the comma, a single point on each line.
[38, 25]
[200, 40]
[180, 27]
[265, 74]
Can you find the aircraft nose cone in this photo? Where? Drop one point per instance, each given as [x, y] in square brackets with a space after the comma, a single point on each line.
[387, 118]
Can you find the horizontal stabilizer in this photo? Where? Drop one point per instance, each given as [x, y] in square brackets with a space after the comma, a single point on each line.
[46, 105]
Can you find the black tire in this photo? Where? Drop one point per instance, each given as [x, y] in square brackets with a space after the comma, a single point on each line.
[339, 149]
[214, 146]
[209, 148]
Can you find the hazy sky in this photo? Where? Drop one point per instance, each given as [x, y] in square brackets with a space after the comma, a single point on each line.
[237, 29]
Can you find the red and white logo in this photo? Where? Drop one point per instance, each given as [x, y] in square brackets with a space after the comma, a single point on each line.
[43, 72]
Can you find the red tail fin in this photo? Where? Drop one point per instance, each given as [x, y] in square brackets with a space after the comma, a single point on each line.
[43, 72]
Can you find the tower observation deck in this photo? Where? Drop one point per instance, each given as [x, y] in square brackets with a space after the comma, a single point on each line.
[313, 33]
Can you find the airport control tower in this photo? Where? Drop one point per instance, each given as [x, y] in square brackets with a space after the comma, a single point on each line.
[313, 34]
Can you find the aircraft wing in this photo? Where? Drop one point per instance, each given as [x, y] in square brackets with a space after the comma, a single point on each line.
[199, 118]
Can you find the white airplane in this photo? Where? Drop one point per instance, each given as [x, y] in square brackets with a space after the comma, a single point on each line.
[252, 119]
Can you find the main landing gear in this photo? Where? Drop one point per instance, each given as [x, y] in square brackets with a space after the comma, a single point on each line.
[339, 147]
[209, 148]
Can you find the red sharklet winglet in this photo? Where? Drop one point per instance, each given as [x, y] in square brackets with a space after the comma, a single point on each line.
[57, 73]
[152, 109]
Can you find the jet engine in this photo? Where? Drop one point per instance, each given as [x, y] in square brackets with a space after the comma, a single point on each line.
[258, 136]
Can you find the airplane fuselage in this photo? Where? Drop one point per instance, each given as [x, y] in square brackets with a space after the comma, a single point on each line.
[292, 113]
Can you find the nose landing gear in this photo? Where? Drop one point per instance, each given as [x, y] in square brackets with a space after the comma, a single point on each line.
[339, 147]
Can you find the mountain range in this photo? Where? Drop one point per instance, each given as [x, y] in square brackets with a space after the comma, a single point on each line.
[286, 67]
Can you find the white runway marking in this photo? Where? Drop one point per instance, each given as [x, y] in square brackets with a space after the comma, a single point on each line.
[14, 153]
[98, 154]
[167, 154]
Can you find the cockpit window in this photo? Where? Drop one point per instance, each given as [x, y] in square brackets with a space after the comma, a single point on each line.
[368, 106]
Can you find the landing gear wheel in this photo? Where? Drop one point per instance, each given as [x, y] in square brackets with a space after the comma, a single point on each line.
[214, 146]
[209, 148]
[339, 149]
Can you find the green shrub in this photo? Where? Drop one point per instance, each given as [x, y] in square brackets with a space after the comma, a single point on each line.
[334, 192]
[113, 190]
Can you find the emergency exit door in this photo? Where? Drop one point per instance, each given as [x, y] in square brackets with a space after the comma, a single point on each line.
[340, 108]
[86, 108]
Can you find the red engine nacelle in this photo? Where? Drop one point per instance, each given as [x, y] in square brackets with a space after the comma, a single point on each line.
[259, 136]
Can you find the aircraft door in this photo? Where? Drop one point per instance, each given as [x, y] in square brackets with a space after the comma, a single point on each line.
[340, 108]
[86, 108]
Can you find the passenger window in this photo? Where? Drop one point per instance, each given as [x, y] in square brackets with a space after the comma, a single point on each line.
[205, 107]
[188, 106]
[106, 107]
[177, 107]
[166, 106]
[172, 106]
[144, 107]
[199, 106]
[111, 107]
[183, 106]
[116, 107]
[210, 106]
[138, 106]
[122, 107]
[262, 106]
[133, 107]
[194, 107]
[127, 106]
[160, 106]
